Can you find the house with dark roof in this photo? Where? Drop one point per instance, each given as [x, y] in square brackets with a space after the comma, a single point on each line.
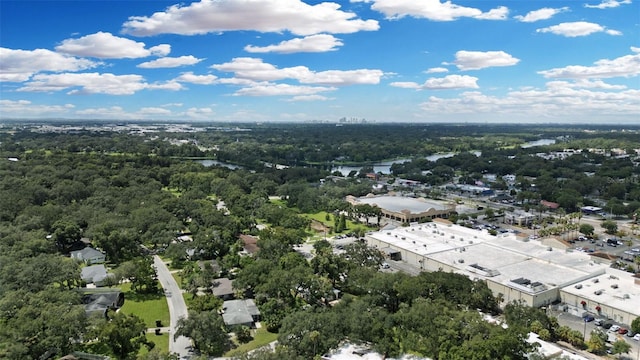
[242, 312]
[100, 301]
[89, 256]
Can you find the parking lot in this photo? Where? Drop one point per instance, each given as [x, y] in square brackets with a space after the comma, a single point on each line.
[577, 323]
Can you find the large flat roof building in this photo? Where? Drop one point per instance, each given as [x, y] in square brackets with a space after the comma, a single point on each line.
[406, 209]
[613, 295]
[514, 267]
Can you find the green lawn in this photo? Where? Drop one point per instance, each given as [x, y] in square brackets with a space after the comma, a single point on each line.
[161, 341]
[278, 202]
[261, 337]
[178, 277]
[322, 217]
[148, 307]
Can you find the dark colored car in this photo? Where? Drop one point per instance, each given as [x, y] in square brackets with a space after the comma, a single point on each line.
[588, 318]
[622, 331]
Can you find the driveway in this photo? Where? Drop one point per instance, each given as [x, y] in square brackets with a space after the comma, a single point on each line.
[177, 308]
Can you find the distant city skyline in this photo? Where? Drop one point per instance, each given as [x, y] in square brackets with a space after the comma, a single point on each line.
[298, 61]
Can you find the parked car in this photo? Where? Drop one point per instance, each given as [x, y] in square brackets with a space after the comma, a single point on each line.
[607, 325]
[631, 334]
[636, 337]
[598, 322]
[622, 331]
[614, 328]
[385, 265]
[588, 318]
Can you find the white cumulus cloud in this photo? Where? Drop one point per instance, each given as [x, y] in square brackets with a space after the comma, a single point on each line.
[605, 4]
[312, 43]
[20, 65]
[577, 28]
[204, 113]
[208, 16]
[269, 89]
[170, 62]
[437, 70]
[309, 98]
[553, 103]
[475, 60]
[342, 77]
[104, 45]
[255, 69]
[624, 66]
[445, 83]
[190, 77]
[93, 83]
[25, 108]
[434, 10]
[153, 111]
[540, 14]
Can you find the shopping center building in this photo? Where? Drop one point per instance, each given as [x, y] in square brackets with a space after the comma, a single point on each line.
[514, 268]
[406, 209]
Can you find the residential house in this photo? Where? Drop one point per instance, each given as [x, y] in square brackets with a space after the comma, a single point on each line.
[249, 244]
[223, 288]
[242, 312]
[95, 274]
[89, 256]
[100, 301]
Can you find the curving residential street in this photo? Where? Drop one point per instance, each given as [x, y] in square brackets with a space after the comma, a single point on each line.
[177, 308]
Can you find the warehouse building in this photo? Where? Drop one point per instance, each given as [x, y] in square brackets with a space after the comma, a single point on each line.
[514, 268]
[613, 295]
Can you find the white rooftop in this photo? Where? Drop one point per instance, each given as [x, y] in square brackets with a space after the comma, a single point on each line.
[399, 204]
[433, 237]
[506, 255]
[618, 290]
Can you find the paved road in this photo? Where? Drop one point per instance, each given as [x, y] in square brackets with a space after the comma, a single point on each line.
[177, 308]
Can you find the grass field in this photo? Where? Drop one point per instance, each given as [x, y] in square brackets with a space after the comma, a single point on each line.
[261, 337]
[322, 217]
[161, 341]
[148, 307]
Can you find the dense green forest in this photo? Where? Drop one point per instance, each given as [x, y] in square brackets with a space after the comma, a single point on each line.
[132, 195]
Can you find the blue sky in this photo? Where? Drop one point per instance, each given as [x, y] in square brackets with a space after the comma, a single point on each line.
[291, 60]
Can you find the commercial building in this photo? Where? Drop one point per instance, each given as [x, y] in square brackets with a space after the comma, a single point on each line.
[406, 209]
[613, 295]
[513, 267]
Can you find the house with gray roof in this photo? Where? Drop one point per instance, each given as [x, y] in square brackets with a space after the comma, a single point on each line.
[96, 274]
[89, 256]
[223, 288]
[240, 312]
